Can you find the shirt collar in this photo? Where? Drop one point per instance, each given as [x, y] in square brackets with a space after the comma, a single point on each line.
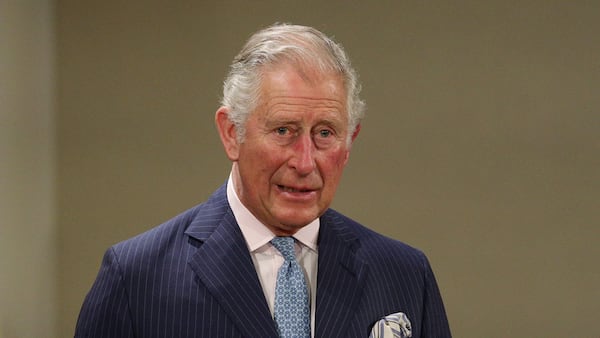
[256, 233]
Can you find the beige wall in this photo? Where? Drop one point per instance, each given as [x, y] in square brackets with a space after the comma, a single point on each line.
[27, 170]
[480, 146]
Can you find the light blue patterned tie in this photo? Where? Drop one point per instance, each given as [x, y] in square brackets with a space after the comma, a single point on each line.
[292, 309]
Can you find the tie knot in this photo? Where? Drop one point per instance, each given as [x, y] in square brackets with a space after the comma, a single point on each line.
[285, 245]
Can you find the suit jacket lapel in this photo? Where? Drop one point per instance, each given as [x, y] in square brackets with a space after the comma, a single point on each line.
[224, 265]
[340, 277]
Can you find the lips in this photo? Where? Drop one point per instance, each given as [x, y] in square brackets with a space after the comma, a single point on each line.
[293, 190]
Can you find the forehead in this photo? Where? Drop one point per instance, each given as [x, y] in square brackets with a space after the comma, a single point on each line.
[303, 87]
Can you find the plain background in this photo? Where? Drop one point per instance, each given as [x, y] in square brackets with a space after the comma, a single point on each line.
[481, 144]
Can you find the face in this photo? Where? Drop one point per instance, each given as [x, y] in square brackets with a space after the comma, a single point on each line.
[288, 167]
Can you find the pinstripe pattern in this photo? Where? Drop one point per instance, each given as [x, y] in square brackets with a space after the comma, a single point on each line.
[364, 276]
[193, 277]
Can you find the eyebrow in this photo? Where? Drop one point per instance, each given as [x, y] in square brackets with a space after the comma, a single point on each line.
[297, 120]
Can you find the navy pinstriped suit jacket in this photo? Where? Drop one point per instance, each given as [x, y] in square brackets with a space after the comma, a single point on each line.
[193, 277]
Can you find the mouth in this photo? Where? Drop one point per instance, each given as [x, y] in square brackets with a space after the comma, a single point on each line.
[294, 190]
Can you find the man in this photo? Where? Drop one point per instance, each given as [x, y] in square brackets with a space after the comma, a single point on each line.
[289, 116]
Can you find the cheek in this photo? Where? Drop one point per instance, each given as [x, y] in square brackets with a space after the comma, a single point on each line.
[334, 163]
[263, 163]
[341, 157]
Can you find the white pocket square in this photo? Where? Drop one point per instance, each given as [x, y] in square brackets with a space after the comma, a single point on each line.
[395, 325]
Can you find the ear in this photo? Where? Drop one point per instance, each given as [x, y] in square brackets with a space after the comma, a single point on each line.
[228, 133]
[354, 135]
[355, 132]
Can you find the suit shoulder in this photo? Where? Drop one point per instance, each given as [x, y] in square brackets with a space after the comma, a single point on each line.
[154, 240]
[377, 247]
[171, 233]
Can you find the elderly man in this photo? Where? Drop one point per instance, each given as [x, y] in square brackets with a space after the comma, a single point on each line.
[265, 256]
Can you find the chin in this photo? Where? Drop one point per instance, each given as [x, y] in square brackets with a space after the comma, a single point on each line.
[298, 221]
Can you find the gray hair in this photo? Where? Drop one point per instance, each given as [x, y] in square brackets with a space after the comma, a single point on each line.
[299, 45]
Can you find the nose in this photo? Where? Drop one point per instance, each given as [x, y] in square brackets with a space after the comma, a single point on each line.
[303, 159]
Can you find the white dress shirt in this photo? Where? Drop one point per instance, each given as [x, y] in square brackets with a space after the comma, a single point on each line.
[267, 259]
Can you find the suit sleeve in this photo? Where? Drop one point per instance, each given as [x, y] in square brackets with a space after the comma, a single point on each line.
[435, 323]
[105, 311]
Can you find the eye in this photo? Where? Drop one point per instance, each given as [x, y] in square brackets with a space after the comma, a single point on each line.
[324, 133]
[282, 131]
